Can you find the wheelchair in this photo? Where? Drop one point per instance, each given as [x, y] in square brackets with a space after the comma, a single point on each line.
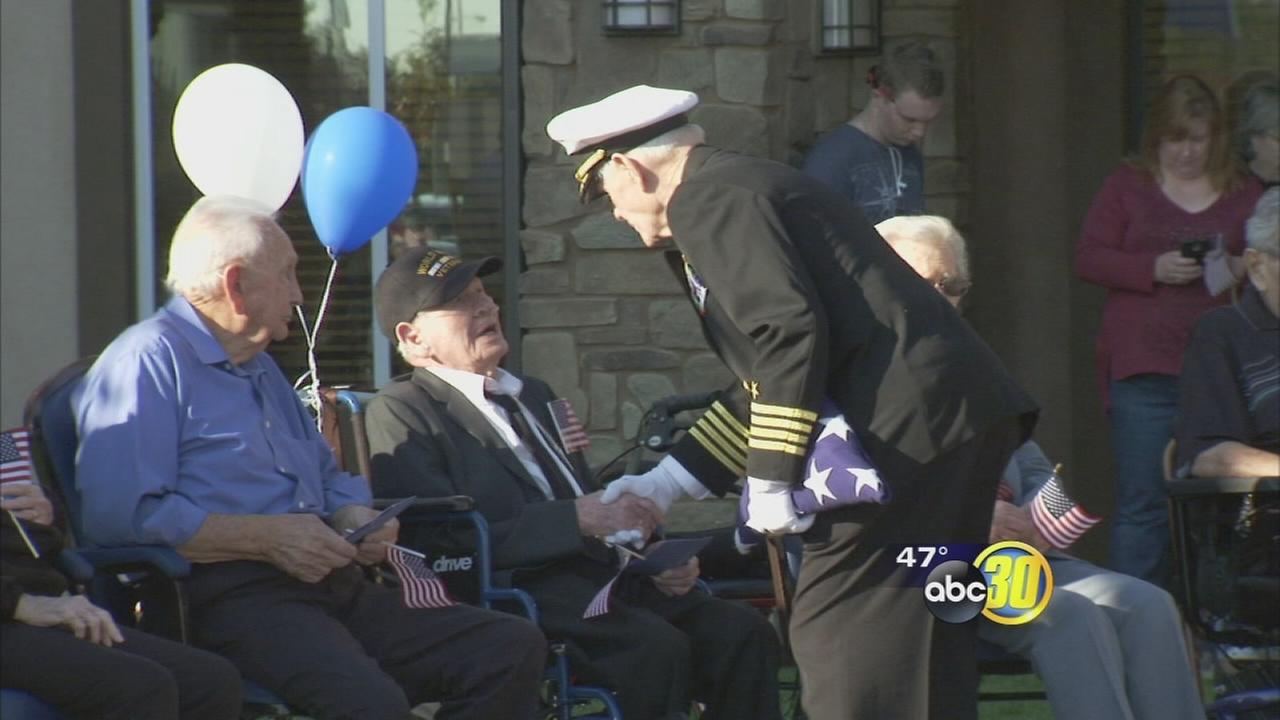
[143, 586]
[465, 568]
[1226, 537]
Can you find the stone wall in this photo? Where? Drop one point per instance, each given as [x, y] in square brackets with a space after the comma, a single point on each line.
[605, 321]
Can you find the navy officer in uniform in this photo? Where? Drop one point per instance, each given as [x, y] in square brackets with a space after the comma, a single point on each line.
[806, 304]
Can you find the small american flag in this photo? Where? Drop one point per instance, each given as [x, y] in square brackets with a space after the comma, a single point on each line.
[15, 456]
[599, 604]
[422, 588]
[1058, 518]
[572, 435]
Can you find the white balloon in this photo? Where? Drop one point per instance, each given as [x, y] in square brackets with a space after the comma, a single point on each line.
[237, 131]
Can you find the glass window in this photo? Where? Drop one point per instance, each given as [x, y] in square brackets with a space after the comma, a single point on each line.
[641, 16]
[850, 26]
[1226, 43]
[442, 72]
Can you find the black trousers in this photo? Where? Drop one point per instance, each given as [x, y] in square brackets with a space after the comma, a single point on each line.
[348, 648]
[660, 653]
[143, 678]
[866, 644]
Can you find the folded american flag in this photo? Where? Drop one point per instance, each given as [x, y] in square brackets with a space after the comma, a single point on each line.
[15, 456]
[839, 473]
[572, 435]
[1058, 518]
[422, 588]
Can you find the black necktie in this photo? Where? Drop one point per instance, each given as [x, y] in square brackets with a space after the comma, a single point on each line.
[532, 440]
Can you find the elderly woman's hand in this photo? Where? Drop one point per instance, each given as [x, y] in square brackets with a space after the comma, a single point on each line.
[27, 501]
[73, 612]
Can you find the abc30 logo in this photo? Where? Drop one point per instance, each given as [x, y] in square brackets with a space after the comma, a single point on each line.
[1010, 583]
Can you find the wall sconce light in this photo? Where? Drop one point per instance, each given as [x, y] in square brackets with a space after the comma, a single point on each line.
[850, 27]
[641, 17]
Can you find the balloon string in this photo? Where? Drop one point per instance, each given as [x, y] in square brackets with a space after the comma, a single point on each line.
[306, 335]
[312, 335]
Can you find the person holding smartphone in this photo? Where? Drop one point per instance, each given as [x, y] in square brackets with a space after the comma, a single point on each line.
[1142, 241]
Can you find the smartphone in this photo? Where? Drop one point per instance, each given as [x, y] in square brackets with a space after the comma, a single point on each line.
[1197, 248]
[355, 536]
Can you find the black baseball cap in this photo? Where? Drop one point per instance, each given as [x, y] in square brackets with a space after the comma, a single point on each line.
[423, 279]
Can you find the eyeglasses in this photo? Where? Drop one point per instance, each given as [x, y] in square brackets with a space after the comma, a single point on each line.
[954, 287]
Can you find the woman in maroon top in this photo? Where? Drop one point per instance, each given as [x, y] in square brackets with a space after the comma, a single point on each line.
[1182, 187]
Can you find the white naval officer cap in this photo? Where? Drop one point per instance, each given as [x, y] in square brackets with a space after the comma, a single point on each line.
[616, 124]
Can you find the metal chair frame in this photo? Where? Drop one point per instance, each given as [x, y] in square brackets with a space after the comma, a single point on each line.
[564, 697]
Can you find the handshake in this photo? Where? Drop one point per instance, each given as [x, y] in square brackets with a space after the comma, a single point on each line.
[769, 507]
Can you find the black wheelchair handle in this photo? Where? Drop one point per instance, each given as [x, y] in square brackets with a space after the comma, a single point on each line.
[451, 503]
[679, 403]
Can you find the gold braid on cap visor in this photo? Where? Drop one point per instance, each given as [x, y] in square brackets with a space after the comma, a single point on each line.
[586, 174]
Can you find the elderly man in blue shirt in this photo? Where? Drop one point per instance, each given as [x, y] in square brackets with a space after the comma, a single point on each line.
[190, 436]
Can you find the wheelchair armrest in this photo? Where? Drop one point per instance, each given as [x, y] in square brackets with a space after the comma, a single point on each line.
[459, 509]
[83, 563]
[451, 503]
[1194, 486]
[75, 566]
[526, 602]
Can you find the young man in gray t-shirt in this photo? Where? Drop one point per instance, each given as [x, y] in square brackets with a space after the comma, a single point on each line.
[874, 159]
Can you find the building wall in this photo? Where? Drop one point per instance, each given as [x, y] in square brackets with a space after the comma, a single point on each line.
[104, 161]
[38, 304]
[605, 321]
[1048, 125]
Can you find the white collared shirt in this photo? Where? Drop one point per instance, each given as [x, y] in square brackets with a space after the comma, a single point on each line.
[473, 386]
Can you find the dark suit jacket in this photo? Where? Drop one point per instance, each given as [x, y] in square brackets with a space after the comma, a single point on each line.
[427, 439]
[802, 299]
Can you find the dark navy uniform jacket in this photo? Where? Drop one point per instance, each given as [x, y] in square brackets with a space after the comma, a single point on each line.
[802, 299]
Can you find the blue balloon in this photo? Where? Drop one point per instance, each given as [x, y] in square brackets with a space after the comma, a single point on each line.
[358, 171]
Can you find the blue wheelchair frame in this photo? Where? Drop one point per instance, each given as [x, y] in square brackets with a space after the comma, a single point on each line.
[565, 696]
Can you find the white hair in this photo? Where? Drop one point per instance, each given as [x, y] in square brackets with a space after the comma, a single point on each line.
[932, 230]
[663, 146]
[216, 232]
[1262, 229]
[658, 150]
[413, 354]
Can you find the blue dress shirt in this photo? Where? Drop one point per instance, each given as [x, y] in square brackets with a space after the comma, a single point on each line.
[171, 430]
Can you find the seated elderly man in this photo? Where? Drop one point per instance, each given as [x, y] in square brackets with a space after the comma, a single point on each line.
[190, 436]
[1228, 421]
[459, 424]
[1108, 645]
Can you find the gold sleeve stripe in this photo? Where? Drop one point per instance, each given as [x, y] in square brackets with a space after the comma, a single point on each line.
[713, 446]
[735, 451]
[783, 411]
[720, 411]
[730, 434]
[772, 422]
[775, 446]
[767, 434]
[730, 443]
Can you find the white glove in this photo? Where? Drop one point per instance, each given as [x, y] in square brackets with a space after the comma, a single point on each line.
[634, 538]
[770, 510]
[664, 484]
